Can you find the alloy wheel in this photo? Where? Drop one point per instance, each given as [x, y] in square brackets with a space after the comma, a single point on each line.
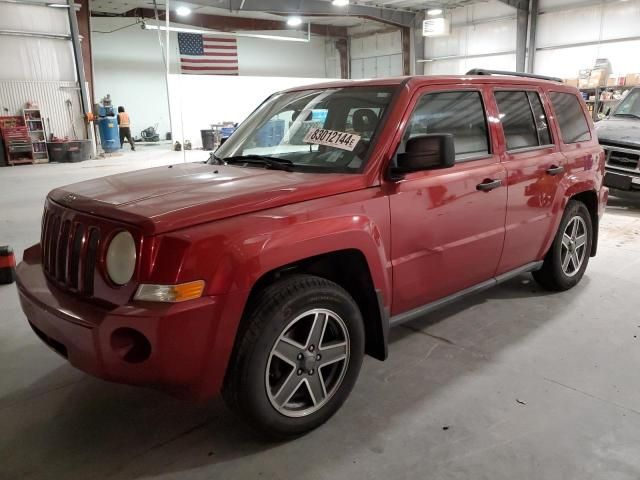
[307, 363]
[574, 246]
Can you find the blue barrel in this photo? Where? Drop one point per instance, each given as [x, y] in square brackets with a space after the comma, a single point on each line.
[109, 134]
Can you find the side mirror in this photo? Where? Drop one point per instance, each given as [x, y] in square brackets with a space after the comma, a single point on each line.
[425, 152]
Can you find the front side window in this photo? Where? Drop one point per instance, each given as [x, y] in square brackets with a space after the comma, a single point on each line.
[459, 113]
[324, 130]
[573, 124]
[523, 119]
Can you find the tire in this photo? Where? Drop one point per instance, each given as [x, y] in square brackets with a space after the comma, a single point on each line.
[554, 275]
[277, 333]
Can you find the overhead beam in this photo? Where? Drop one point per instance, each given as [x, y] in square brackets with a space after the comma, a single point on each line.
[391, 16]
[230, 24]
[519, 4]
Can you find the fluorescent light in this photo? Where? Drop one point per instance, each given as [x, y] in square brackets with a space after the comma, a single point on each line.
[57, 5]
[283, 38]
[294, 21]
[183, 11]
[434, 12]
[340, 3]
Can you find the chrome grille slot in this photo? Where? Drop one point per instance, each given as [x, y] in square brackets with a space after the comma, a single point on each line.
[63, 251]
[91, 260]
[74, 258]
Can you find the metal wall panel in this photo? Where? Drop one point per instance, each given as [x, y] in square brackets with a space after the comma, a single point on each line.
[52, 98]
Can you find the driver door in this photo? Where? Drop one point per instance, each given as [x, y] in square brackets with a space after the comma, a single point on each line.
[448, 225]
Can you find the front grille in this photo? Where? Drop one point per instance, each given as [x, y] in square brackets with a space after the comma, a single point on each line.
[69, 250]
[622, 158]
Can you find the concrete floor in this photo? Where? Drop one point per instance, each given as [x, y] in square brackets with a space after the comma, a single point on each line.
[515, 383]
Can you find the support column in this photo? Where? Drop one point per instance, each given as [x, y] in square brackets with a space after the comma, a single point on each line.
[418, 50]
[522, 24]
[84, 28]
[77, 55]
[534, 9]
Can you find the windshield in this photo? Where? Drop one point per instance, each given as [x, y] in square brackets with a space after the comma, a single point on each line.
[630, 105]
[326, 130]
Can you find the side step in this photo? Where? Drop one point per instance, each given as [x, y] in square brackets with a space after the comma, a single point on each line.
[430, 307]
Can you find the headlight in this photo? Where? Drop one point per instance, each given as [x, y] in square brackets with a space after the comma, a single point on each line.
[121, 258]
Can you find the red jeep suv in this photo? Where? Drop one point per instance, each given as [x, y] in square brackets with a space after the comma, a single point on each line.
[334, 212]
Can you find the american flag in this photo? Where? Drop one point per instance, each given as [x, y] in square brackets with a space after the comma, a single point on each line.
[208, 54]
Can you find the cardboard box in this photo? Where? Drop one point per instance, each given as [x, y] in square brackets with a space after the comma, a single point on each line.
[632, 79]
[572, 82]
[616, 81]
[598, 78]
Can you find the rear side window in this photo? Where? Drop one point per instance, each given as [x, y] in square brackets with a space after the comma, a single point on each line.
[458, 113]
[523, 119]
[573, 124]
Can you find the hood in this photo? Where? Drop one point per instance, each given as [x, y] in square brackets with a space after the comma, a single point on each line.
[169, 198]
[622, 131]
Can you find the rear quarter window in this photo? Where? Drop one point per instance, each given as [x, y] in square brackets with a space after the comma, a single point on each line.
[570, 116]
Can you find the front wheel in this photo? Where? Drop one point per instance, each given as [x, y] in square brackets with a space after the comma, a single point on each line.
[568, 257]
[298, 356]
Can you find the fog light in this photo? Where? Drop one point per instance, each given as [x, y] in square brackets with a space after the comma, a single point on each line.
[170, 293]
[130, 345]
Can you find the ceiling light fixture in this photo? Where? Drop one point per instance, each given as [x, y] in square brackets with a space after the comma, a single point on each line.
[434, 12]
[57, 5]
[183, 11]
[340, 3]
[294, 21]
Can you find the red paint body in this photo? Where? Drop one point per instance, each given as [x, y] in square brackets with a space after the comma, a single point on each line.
[425, 237]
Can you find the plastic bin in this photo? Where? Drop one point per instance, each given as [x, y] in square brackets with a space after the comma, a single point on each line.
[208, 139]
[58, 151]
[79, 151]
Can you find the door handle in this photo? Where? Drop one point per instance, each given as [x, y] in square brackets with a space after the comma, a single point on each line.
[488, 185]
[555, 170]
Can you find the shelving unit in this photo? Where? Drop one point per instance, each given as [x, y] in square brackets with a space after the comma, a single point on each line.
[17, 142]
[596, 106]
[35, 126]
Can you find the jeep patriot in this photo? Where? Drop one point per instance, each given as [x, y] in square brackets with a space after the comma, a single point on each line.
[333, 213]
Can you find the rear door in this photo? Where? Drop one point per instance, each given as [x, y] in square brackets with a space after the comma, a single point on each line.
[447, 225]
[535, 167]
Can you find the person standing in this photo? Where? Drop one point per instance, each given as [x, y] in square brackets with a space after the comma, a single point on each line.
[124, 124]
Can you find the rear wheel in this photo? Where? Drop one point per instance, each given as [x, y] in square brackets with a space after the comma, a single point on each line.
[568, 257]
[298, 356]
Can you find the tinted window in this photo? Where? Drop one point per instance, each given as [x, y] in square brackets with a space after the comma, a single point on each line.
[540, 117]
[517, 120]
[458, 113]
[573, 124]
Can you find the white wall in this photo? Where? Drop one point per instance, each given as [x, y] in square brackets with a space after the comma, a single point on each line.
[607, 21]
[198, 101]
[471, 34]
[128, 65]
[376, 55]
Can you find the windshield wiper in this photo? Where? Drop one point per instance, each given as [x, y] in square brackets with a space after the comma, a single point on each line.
[270, 162]
[633, 115]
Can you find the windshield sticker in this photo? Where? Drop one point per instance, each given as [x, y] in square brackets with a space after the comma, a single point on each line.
[332, 138]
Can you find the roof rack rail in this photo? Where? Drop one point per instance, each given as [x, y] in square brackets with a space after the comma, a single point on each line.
[483, 71]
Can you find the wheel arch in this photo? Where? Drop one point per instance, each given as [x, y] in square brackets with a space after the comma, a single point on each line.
[590, 200]
[349, 269]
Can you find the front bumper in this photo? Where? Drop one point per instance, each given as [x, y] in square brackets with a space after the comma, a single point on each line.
[189, 343]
